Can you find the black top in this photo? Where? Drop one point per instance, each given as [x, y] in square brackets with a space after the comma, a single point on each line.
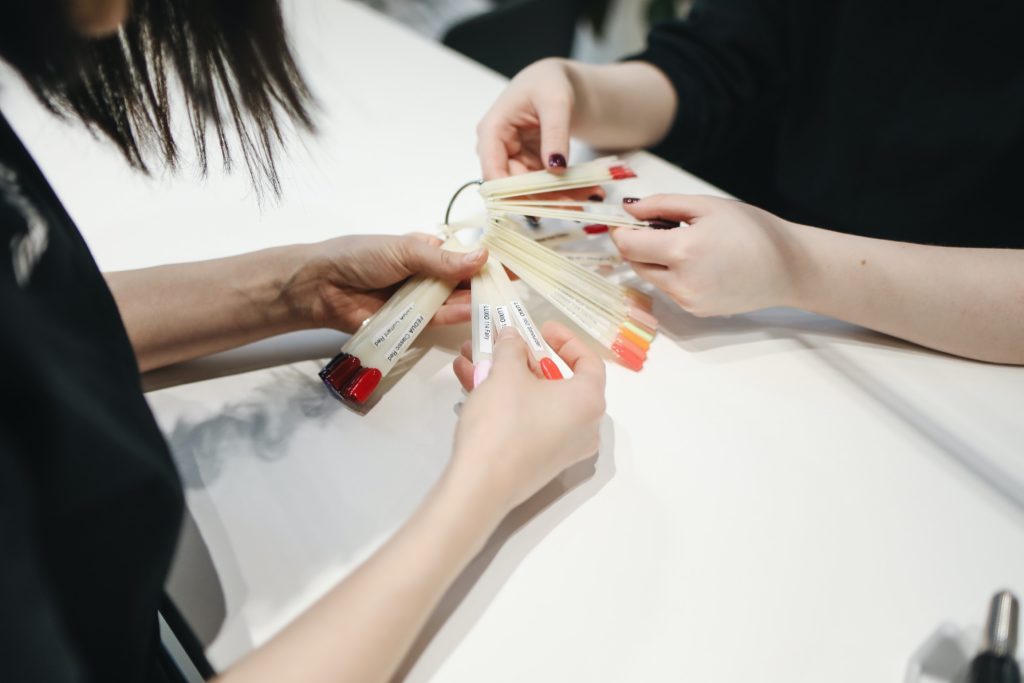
[90, 502]
[900, 120]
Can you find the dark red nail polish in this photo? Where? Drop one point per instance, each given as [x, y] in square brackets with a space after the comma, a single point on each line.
[596, 198]
[556, 161]
[339, 371]
[630, 200]
[661, 224]
[595, 229]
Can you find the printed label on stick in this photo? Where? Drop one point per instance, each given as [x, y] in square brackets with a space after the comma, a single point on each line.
[503, 318]
[414, 329]
[386, 332]
[486, 330]
[531, 332]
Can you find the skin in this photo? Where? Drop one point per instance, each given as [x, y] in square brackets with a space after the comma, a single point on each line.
[97, 18]
[516, 431]
[735, 258]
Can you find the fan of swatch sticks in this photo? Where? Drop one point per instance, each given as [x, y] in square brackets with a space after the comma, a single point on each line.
[617, 317]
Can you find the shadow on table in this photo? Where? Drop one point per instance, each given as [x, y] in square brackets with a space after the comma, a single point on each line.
[525, 527]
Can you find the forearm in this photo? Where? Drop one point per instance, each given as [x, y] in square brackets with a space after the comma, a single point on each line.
[182, 311]
[621, 106]
[362, 629]
[967, 302]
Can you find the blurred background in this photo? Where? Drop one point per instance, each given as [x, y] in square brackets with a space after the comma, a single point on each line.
[492, 31]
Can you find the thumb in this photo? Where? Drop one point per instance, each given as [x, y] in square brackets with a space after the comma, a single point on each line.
[555, 113]
[676, 207]
[428, 259]
[510, 353]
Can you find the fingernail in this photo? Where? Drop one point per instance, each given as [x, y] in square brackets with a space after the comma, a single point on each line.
[533, 221]
[630, 200]
[508, 333]
[480, 372]
[556, 161]
[661, 224]
[473, 256]
[549, 369]
[596, 198]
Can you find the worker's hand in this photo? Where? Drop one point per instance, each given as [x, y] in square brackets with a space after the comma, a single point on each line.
[730, 257]
[343, 281]
[518, 431]
[527, 128]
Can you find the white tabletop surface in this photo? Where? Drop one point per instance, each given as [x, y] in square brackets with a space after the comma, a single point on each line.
[778, 497]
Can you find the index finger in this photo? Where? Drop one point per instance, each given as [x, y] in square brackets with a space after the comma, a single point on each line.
[577, 355]
[492, 152]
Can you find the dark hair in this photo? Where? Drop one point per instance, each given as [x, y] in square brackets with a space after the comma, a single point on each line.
[230, 57]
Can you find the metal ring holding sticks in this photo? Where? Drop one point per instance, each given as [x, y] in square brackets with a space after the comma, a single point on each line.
[451, 203]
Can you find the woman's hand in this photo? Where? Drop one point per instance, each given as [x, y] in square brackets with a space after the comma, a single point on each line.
[518, 431]
[345, 280]
[730, 258]
[527, 128]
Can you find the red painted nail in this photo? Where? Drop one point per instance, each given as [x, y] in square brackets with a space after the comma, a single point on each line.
[595, 229]
[630, 200]
[360, 388]
[556, 161]
[549, 369]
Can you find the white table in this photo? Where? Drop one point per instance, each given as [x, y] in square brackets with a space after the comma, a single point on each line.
[779, 497]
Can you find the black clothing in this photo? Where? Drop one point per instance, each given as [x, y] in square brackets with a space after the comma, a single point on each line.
[90, 501]
[899, 120]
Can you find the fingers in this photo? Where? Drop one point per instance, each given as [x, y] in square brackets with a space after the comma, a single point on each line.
[420, 257]
[555, 113]
[648, 246]
[453, 314]
[464, 372]
[577, 355]
[510, 353]
[492, 152]
[679, 207]
[659, 276]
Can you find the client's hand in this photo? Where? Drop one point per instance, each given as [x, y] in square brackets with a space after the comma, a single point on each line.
[345, 280]
[730, 258]
[519, 431]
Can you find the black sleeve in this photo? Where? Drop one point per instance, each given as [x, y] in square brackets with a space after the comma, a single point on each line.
[727, 62]
[32, 638]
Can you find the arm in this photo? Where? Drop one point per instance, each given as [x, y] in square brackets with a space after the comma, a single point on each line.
[516, 433]
[734, 258]
[182, 311]
[698, 88]
[968, 302]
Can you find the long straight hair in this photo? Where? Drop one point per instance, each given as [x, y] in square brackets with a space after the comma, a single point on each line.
[230, 57]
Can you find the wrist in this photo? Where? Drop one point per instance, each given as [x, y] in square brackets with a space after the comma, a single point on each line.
[471, 482]
[800, 266]
[298, 278]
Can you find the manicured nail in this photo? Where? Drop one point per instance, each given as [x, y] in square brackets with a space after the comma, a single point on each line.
[533, 221]
[473, 256]
[549, 369]
[480, 372]
[556, 161]
[630, 200]
[661, 224]
[596, 198]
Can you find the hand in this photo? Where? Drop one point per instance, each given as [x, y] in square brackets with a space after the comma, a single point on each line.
[731, 258]
[343, 281]
[518, 431]
[527, 128]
